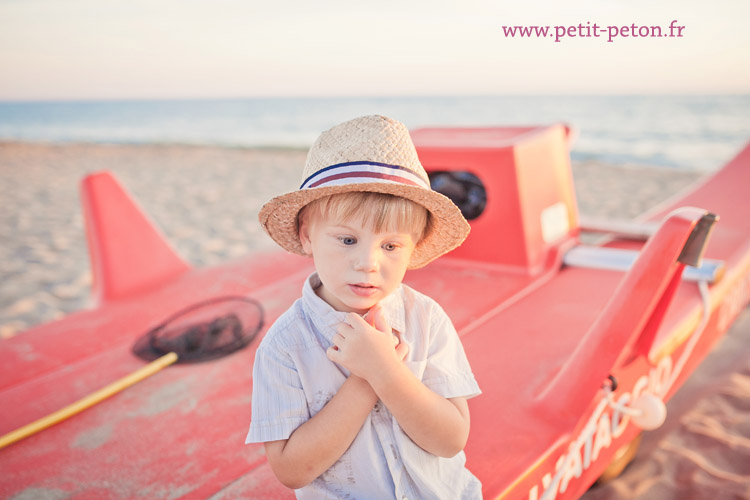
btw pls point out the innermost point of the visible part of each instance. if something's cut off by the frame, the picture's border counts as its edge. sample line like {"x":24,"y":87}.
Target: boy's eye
{"x":347,"y":240}
{"x":390,"y":246}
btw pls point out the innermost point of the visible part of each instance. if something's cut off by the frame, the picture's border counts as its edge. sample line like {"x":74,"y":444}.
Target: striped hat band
{"x":357,"y":172}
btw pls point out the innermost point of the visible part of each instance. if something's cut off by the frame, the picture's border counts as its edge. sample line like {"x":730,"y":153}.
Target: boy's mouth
{"x":363,"y":289}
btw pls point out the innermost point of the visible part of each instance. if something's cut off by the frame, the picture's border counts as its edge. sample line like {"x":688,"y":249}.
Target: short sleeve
{"x":447,"y":371}
{"x":278,"y":403}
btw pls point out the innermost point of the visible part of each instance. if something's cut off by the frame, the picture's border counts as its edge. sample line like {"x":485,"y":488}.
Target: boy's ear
{"x":304,"y":235}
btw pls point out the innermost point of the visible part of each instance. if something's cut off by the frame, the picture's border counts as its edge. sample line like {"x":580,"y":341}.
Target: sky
{"x":111,"y":49}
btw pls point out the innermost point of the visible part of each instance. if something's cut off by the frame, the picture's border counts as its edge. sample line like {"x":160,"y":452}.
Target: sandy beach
{"x":205,"y":199}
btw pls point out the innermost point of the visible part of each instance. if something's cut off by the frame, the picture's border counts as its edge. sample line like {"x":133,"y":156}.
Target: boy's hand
{"x":366,"y":349}
{"x":377,"y":320}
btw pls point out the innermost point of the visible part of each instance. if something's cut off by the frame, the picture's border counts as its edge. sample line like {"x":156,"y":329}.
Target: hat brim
{"x":449,"y":229}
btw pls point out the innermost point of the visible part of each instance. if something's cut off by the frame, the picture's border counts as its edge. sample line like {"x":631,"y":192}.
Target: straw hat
{"x":370,"y":153}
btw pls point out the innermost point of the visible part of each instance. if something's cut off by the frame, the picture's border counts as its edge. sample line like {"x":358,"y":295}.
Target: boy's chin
{"x":358,"y":305}
{"x":359,"y":308}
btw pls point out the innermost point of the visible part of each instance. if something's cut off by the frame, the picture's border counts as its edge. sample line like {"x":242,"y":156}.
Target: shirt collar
{"x":326,"y":318}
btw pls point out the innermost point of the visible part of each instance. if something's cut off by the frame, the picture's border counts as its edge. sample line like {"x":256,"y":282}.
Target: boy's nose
{"x":367,"y":260}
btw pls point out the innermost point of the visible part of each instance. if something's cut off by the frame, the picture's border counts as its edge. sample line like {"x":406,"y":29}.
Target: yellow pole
{"x":88,"y":401}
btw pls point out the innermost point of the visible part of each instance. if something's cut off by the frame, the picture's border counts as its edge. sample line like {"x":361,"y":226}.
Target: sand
{"x":205,"y":199}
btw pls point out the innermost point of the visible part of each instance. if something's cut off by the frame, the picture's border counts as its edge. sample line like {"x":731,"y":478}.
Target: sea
{"x":685,"y":132}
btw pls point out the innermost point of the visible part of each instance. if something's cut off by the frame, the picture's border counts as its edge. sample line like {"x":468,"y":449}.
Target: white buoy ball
{"x":654,"y":411}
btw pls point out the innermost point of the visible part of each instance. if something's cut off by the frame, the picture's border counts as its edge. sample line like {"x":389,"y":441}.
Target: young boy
{"x":360,"y":388}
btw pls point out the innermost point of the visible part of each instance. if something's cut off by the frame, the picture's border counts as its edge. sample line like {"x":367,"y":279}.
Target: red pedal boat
{"x":575,"y":346}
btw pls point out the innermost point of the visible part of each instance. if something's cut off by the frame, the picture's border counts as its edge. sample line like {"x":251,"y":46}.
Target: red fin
{"x":128,"y":253}
{"x":629,"y":321}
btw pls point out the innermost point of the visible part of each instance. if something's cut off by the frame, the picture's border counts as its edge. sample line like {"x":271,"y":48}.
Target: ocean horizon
{"x":691,"y":132}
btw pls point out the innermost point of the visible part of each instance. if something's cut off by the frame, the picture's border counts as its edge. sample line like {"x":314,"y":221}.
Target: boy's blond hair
{"x":378,"y":211}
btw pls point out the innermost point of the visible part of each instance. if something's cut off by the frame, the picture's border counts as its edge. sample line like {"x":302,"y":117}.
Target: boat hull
{"x":523,"y":317}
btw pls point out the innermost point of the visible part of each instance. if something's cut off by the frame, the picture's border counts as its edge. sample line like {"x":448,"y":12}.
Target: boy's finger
{"x":379,"y":321}
{"x":353,"y":319}
{"x":402,"y":350}
{"x":343,"y":328}
{"x":371,"y":314}
{"x":333,"y":354}
{"x":337,"y":339}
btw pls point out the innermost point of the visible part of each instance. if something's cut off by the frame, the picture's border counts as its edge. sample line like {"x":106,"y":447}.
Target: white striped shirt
{"x":293,"y":379}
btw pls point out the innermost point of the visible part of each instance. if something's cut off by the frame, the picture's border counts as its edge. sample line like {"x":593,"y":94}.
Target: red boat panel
{"x":57,"y":345}
{"x":531,"y":399}
{"x":724,"y":192}
{"x":524,"y":172}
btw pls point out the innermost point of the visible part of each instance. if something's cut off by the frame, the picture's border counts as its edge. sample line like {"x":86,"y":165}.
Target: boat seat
{"x":627,"y":229}
{"x":618,"y":259}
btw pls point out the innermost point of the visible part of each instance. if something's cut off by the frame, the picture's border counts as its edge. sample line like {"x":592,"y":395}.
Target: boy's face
{"x":357,"y":267}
